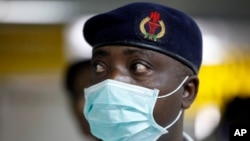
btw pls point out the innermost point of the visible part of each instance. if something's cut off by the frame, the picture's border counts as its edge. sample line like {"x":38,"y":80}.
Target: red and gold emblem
{"x":152,"y":27}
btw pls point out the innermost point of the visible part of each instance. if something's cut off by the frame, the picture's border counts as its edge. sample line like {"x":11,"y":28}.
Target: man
{"x":144,"y":72}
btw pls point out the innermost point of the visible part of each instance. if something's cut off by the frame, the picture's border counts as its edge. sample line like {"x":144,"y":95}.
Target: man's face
{"x":144,"y":68}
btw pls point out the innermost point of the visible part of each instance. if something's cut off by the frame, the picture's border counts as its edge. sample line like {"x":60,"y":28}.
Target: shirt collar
{"x":187,"y":137}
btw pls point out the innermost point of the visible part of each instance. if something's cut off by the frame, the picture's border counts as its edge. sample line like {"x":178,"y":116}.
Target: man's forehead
{"x":125,"y":50}
{"x":130,"y":51}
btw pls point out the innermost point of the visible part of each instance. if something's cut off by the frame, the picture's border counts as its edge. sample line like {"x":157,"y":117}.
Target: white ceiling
{"x":57,"y":11}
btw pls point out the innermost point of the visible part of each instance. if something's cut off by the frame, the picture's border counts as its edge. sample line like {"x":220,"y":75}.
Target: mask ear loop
{"x":166,"y":95}
{"x":171,"y":124}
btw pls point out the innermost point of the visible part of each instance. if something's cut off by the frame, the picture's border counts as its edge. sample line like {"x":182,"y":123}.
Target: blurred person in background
{"x":76,"y":79}
{"x":235,"y":113}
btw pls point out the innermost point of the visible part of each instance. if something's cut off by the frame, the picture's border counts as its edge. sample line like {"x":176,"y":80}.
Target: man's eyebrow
{"x":101,"y":53}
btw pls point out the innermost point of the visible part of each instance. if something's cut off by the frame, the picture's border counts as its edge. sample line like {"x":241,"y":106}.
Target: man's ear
{"x":190,"y":91}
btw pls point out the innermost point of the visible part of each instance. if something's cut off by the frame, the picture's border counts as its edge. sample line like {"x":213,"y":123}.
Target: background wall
{"x":32,"y":97}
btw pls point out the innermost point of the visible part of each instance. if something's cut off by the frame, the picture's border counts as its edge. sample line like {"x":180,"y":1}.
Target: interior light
{"x":213,"y":52}
{"x":206,"y":121}
{"x":75,"y":46}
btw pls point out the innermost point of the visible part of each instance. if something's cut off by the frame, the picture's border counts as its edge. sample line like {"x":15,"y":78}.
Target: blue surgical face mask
{"x":118,"y":111}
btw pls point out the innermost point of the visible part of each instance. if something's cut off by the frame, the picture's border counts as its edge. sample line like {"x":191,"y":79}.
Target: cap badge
{"x":152,"y":27}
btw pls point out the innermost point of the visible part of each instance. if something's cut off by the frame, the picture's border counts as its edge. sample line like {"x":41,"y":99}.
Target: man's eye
{"x":99,"y":68}
{"x":140,"y":68}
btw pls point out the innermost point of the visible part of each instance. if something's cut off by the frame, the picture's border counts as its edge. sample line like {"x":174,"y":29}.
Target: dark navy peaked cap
{"x":150,"y":26}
